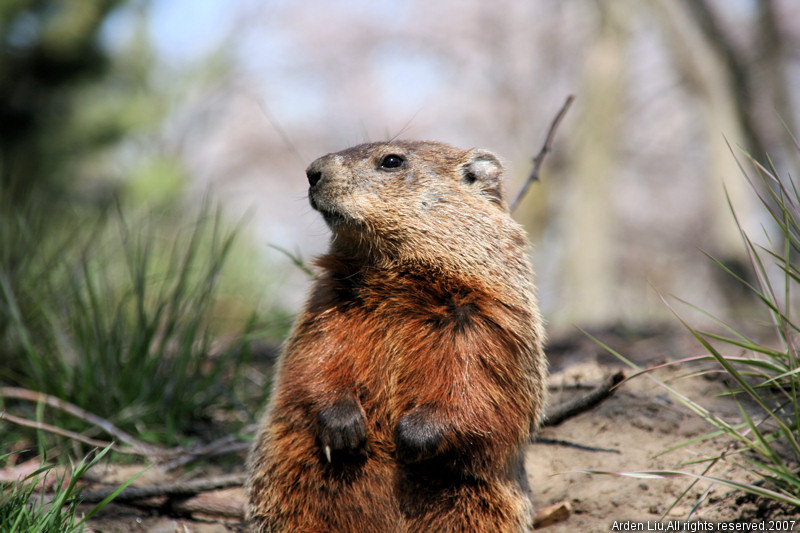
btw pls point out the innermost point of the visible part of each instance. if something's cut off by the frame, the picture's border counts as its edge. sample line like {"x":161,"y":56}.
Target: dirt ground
{"x":629,"y":432}
{"x":625,"y":433}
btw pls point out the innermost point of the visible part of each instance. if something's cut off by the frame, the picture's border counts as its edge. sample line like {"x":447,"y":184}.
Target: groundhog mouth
{"x":332,"y":217}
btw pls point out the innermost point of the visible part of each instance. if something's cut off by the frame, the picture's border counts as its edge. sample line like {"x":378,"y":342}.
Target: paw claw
{"x":342,"y":431}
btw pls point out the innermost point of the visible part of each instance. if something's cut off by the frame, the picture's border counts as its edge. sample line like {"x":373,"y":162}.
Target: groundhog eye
{"x":392,"y":161}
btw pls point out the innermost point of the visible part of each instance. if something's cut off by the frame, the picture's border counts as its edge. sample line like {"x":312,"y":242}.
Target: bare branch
{"x":566,"y":410}
{"x":178,"y":456}
{"x":182,"y":489}
{"x":208,"y":505}
{"x":140,"y":448}
{"x":546,"y":147}
{"x":221,"y":446}
{"x":41,"y":426}
{"x":203,"y":504}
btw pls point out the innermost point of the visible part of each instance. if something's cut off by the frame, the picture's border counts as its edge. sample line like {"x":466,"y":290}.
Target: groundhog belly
{"x":443,"y":423}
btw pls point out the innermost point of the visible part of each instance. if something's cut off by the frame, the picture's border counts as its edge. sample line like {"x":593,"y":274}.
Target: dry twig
{"x":208,"y":505}
{"x":41,"y":426}
{"x":559,"y":413}
{"x":181,"y":489}
{"x":179,"y":456}
{"x":221,"y":446}
{"x":139,"y":447}
{"x":546,"y":147}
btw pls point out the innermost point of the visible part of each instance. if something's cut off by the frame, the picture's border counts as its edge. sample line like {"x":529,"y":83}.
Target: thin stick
{"x":180,"y":456}
{"x":203,"y":504}
{"x":539,"y":159}
{"x":141,"y":448}
{"x":221,"y":446}
{"x":182,"y":489}
{"x":566,"y":410}
{"x":41,"y":426}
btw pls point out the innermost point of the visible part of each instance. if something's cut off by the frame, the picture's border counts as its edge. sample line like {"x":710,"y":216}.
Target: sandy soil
{"x":625,"y":433}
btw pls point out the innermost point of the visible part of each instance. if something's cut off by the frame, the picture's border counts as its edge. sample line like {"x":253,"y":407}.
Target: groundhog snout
{"x":324,"y":191}
{"x":314,"y":174}
{"x":319,"y":169}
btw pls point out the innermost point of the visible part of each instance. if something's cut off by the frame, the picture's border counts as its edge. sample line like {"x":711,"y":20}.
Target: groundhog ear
{"x":484,"y":168}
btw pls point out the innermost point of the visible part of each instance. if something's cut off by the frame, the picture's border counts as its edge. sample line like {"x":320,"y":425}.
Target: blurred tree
{"x":49,"y":50}
{"x":67,"y":103}
{"x":588,"y":280}
{"x":719,"y":103}
{"x":739,"y":77}
{"x":755,"y":76}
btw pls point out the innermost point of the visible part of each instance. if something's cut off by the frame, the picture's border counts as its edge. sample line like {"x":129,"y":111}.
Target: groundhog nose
{"x":313,"y":175}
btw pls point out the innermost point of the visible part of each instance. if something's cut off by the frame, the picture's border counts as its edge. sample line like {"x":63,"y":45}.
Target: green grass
{"x":144,"y":320}
{"x":25,"y":508}
{"x":764,"y":440}
{"x":118,"y":316}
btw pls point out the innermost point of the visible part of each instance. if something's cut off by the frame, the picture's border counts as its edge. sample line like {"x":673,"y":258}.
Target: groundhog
{"x":415,"y":373}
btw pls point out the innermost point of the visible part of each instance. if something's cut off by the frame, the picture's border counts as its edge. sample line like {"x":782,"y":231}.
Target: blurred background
{"x":126,"y":125}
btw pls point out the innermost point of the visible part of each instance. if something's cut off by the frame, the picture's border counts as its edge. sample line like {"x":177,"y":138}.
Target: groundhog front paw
{"x":417,"y":437}
{"x":342,"y":430}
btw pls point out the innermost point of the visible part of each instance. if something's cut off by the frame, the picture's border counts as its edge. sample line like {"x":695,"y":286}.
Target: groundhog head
{"x":407,"y":193}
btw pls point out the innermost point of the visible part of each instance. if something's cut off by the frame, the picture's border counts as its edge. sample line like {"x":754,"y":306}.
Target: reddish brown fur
{"x":423,"y":331}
